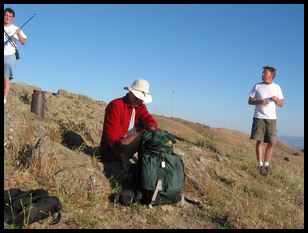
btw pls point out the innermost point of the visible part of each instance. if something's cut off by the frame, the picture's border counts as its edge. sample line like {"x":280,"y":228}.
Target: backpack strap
{"x":55,"y":219}
{"x":159,"y":187}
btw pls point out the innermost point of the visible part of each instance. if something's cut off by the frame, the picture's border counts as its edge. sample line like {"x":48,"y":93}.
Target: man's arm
{"x":20,"y":37}
{"x":148,"y":120}
{"x":112,"y":124}
{"x":279,"y":102}
{"x":253,"y":101}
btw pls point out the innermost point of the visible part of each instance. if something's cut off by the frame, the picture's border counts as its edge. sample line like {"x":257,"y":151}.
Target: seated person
{"x":125,"y":121}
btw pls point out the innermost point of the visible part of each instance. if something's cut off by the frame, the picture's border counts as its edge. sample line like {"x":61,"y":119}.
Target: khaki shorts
{"x":264,"y":130}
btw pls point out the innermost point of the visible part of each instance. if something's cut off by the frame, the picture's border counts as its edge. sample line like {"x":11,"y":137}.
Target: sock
{"x":266,"y":164}
{"x":4,"y":101}
{"x":261,"y":164}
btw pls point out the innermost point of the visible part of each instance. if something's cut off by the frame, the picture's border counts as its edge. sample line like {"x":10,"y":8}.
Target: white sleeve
{"x":279,"y":92}
{"x":252,"y":93}
{"x":22,"y":34}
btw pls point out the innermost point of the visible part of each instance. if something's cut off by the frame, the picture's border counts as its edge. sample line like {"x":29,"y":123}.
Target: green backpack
{"x":161,"y":170}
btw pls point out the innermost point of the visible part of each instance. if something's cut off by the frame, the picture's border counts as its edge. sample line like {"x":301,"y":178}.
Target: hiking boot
{"x":268,"y":170}
{"x":263,"y":171}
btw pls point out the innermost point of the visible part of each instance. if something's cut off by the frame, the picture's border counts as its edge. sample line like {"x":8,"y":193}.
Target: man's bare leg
{"x":124,"y":161}
{"x":259,"y":151}
{"x":7,"y":86}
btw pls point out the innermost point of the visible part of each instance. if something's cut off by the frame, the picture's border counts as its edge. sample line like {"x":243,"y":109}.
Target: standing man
{"x":125,"y":121}
{"x":265,"y":96}
{"x":12,"y":34}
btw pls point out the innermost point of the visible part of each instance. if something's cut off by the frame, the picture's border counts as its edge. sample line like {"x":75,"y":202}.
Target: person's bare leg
{"x":7,"y":86}
{"x":132,"y":141}
{"x":268,"y":152}
{"x":259,"y":151}
{"x":130,"y":145}
{"x":124,"y":161}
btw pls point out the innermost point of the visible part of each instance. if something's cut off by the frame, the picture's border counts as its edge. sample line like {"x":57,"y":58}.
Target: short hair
{"x":271,"y":69}
{"x":10,"y":10}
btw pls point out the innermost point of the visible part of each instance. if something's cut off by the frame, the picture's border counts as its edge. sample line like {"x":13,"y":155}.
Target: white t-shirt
{"x":131,"y":128}
{"x":10,"y":30}
{"x":262,"y":91}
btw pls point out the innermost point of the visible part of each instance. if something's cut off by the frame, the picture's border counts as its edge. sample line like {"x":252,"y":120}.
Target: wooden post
{"x":38,"y":103}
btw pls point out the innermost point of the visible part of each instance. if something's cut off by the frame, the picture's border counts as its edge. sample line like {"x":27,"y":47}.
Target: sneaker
{"x":263,"y":171}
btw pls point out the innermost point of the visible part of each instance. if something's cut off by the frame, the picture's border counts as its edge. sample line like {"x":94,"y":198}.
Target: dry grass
{"x":220,"y":166}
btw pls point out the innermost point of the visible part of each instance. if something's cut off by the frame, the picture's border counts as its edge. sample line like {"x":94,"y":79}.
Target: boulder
{"x":57,"y":166}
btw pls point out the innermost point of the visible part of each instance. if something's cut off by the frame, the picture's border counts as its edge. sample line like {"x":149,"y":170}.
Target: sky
{"x":201,"y":60}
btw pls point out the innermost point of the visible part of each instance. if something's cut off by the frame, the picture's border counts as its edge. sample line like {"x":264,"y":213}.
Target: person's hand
{"x":17,"y":31}
{"x":152,"y":128}
{"x":265,"y":102}
{"x":274,"y":98}
{"x":141,"y":131}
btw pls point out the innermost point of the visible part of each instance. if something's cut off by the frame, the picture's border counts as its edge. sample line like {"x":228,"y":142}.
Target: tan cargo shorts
{"x":264,"y":130}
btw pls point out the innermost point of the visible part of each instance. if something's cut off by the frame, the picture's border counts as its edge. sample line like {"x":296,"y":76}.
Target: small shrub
{"x":207,"y":143}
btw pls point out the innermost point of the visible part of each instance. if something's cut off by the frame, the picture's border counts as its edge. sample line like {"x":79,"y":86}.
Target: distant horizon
{"x":295,"y":141}
{"x":201,"y":60}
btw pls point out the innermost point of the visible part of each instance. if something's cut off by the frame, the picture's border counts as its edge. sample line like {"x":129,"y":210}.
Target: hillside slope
{"x":57,"y":153}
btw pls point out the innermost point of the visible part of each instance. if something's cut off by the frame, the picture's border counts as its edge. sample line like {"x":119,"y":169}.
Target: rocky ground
{"x":58,"y":153}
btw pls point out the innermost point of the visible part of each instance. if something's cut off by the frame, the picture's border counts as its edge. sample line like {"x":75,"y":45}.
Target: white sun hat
{"x":141,"y":89}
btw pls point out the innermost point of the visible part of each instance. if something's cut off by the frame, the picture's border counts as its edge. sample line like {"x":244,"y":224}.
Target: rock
{"x":202,"y":160}
{"x":192,"y":200}
{"x":73,"y":172}
{"x":221,"y":159}
{"x":72,"y":140}
{"x":26,"y":98}
{"x":167,"y":208}
{"x":286,"y":159}
{"x":62,"y":92}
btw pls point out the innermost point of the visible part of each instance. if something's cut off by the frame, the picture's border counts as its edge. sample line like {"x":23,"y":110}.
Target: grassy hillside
{"x":220,"y":166}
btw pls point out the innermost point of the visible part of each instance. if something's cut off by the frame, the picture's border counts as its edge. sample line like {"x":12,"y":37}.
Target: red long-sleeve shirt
{"x":117,"y":117}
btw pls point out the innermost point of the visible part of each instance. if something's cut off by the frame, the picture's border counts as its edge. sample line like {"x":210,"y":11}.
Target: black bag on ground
{"x":26,"y":207}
